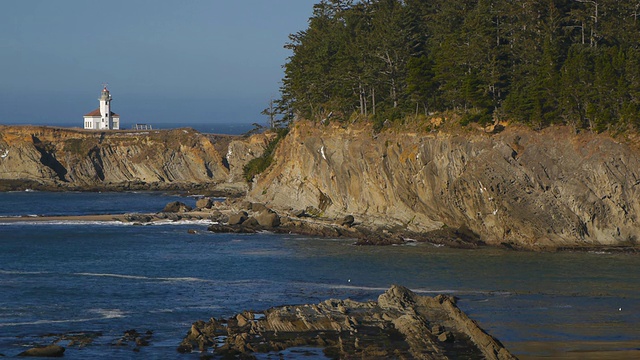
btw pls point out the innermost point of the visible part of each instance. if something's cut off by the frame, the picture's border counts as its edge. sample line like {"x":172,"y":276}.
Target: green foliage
{"x":260,"y":164}
{"x":537,"y":62}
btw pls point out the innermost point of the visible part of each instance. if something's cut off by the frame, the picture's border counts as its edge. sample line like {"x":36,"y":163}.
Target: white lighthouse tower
{"x":102,"y":118}
{"x":105,"y":109}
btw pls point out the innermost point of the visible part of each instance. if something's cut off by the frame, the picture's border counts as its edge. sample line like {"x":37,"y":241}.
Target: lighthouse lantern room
{"x":102,"y":118}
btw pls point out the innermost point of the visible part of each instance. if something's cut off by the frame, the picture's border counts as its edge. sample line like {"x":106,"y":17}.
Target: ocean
{"x":60,"y":279}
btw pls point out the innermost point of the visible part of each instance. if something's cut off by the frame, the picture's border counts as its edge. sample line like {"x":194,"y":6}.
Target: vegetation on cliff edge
{"x":538,"y":62}
{"x":259,"y":164}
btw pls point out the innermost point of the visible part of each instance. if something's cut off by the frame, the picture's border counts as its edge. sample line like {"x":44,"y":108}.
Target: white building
{"x":102,"y":118}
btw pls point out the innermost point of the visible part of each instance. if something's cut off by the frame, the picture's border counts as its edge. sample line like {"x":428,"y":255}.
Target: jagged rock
{"x":176,"y":207}
{"x":267,"y":218}
{"x":204,"y":203}
{"x":396,"y":326}
{"x":122,"y":160}
{"x":44,"y":351}
{"x":559,"y":189}
{"x":238,"y":218}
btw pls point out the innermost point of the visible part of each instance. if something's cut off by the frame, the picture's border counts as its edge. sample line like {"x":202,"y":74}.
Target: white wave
{"x":107,"y":222}
{"x":16,"y":272}
{"x":104,"y":314}
{"x":109,"y":313}
{"x":66,"y":222}
{"x":182,"y":222}
{"x":139,"y":277}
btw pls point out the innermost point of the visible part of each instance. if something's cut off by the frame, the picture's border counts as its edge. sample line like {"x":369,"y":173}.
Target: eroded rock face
{"x":522,"y":188}
{"x":79,"y":158}
{"x":400,"y":324}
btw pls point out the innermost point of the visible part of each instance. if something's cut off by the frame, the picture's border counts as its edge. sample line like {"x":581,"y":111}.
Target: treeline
{"x":534,"y":61}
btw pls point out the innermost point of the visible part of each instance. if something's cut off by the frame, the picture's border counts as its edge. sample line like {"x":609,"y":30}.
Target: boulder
{"x":44,"y":351}
{"x":251,"y":223}
{"x":268,"y":219}
{"x":258,"y":207}
{"x":204,"y":203}
{"x":238,"y":218}
{"x":176,"y":207}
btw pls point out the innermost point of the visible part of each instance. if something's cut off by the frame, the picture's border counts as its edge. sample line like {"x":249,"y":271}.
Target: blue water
{"x":106,"y":278}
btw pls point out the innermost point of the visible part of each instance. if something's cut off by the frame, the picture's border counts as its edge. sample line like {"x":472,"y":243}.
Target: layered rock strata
{"x":46,"y":158}
{"x":400,"y":325}
{"x":520,"y":188}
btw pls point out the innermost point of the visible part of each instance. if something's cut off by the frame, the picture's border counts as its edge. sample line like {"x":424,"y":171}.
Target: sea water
{"x":104,"y":278}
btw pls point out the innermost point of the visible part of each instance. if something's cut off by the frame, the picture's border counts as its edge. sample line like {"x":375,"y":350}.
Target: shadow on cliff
{"x":48,"y":160}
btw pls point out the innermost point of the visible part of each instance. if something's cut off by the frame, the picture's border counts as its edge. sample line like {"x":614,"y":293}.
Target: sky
{"x":165,"y":61}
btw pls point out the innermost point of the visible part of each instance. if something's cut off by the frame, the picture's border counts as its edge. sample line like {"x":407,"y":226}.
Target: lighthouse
{"x":102,"y":118}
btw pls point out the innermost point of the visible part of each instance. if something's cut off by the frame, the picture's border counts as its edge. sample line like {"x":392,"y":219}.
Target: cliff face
{"x":529,"y":189}
{"x":78,"y":158}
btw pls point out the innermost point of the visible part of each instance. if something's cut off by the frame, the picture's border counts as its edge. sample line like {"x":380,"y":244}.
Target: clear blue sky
{"x":180,"y":61}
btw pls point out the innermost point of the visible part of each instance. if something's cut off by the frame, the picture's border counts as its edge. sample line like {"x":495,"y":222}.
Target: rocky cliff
{"x":114,"y":159}
{"x":523,"y":188}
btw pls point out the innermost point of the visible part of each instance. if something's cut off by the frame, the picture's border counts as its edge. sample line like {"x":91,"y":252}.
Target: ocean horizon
{"x":203,"y":127}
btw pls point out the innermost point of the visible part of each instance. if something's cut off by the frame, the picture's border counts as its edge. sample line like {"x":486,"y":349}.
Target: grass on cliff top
{"x":260,"y":164}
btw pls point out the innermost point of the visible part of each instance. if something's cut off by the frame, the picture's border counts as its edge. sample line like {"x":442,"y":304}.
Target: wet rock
{"x":44,"y":351}
{"x":139,"y":218}
{"x":135,"y":338}
{"x":176,"y":207}
{"x":396,"y":326}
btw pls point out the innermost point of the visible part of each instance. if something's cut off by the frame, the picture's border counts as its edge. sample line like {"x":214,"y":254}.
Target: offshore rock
{"x":518,"y":188}
{"x":398,"y":325}
{"x":44,"y":351}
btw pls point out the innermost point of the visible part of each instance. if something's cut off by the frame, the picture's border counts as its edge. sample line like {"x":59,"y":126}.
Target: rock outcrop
{"x":519,"y":187}
{"x":121,"y":160}
{"x":44,"y":351}
{"x":399,"y":325}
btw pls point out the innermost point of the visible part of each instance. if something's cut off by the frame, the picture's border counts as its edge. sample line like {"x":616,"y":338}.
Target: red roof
{"x":96,"y":112}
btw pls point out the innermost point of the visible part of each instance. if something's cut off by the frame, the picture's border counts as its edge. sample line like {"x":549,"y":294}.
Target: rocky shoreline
{"x":400,"y":324}
{"x":237,"y":215}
